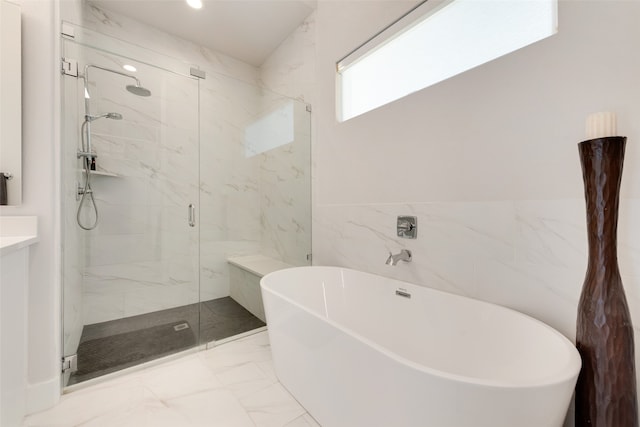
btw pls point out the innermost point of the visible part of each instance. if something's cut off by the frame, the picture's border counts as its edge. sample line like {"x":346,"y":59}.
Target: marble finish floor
{"x":231,"y":385}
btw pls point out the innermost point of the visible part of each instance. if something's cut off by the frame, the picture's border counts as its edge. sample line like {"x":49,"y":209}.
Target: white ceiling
{"x":249,"y":30}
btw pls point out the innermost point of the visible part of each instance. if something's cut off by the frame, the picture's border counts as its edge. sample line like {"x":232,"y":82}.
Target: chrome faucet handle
{"x":407,"y":227}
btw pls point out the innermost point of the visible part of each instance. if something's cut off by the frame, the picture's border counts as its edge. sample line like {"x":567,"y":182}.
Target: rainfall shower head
{"x":112,"y":116}
{"x":138,"y":90}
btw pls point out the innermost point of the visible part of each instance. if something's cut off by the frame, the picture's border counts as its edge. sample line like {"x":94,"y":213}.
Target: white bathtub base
{"x":342,"y":383}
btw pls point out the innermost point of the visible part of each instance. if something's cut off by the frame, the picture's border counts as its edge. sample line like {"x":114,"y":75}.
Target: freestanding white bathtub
{"x":360,"y":350}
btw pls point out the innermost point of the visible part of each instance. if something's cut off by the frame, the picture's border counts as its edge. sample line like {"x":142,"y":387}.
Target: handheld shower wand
{"x":86,"y":192}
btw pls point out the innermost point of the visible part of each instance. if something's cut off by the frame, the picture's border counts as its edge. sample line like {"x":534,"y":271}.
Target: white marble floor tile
{"x":183,"y":376}
{"x":151,"y":413}
{"x":240,"y":374}
{"x":268,"y":368}
{"x":305,"y":420}
{"x":211,"y":408}
{"x":245,"y":379}
{"x":232,"y":385}
{"x":272,"y":406}
{"x":254,"y":348}
{"x":94,"y":402}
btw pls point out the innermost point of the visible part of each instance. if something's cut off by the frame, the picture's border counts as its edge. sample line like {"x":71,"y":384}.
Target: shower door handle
{"x":192,"y":215}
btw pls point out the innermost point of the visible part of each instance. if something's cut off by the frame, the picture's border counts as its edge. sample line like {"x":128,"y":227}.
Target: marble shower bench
{"x":245,"y":273}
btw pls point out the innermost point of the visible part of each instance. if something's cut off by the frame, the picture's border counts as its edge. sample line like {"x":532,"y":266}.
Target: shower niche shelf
{"x":102,"y":173}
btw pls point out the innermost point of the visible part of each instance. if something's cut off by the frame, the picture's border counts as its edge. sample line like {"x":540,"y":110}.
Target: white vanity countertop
{"x":17,"y":232}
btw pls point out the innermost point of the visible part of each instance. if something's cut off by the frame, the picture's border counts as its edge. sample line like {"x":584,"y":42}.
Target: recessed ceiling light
{"x":130,"y":68}
{"x":196,"y":4}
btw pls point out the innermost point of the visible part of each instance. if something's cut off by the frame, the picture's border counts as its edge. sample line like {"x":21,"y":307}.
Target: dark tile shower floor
{"x":118,"y":344}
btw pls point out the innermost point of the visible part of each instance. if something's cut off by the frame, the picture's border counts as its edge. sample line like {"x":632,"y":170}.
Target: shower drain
{"x":181,"y":326}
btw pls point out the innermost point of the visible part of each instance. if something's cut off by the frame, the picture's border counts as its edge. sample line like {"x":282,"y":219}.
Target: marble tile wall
{"x":290,"y":69}
{"x":286,"y":175}
{"x":229,"y":181}
{"x":509,"y":253}
{"x":285,"y":193}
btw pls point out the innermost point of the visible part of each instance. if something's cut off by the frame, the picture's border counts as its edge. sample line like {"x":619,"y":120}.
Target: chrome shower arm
{"x":85,"y":77}
{"x":86,"y":73}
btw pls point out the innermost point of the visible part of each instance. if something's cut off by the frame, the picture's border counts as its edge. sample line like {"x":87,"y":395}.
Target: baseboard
{"x":43,"y":395}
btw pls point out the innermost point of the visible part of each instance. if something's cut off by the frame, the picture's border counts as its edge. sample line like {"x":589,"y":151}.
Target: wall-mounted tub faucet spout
{"x":404,"y":255}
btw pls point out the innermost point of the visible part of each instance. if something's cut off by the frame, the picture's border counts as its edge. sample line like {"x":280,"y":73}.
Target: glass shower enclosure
{"x":168,"y":179}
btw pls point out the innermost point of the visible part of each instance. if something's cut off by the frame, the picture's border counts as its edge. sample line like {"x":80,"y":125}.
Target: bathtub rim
{"x":549,"y":381}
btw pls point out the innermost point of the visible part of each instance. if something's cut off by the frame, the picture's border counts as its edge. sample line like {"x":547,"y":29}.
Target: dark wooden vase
{"x":606,"y":388}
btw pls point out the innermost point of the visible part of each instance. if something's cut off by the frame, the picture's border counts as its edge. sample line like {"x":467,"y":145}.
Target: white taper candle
{"x":600,"y":125}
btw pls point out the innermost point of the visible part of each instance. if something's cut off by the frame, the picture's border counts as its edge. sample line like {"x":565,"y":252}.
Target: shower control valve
{"x":407,"y":227}
{"x":81,"y":191}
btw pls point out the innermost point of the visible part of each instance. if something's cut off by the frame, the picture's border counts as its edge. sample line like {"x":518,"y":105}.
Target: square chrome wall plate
{"x":407,"y":227}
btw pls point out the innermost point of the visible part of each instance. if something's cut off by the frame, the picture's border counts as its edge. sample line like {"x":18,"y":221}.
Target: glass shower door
{"x":255,"y":200}
{"x":131,"y":240}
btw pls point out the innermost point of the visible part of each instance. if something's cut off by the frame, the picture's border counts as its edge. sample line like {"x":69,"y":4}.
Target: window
{"x":434,"y":42}
{"x":270,"y":131}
